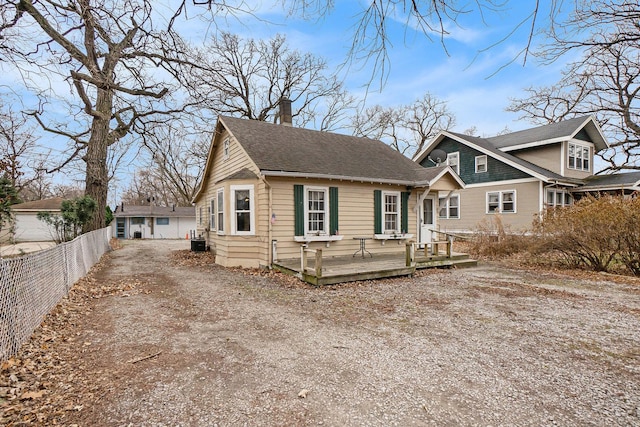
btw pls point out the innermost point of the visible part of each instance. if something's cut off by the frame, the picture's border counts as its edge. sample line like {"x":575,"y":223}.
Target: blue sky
{"x":476,"y":84}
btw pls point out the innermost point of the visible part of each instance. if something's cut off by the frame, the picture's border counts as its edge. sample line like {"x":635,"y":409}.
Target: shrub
{"x":595,"y":232}
{"x":493,"y":239}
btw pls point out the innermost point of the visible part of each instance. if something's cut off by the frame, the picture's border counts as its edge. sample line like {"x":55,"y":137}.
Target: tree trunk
{"x":96,"y":175}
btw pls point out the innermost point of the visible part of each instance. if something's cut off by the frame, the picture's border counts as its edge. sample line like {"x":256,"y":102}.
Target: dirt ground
{"x":158,"y":336}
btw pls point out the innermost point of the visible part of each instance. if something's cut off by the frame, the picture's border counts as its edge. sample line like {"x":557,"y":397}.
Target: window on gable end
{"x":453,"y":160}
{"x":579,"y":157}
{"x":225,"y":148}
{"x":481,"y":164}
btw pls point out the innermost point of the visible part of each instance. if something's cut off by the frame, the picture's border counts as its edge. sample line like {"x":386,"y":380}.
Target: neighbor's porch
{"x":314,"y":268}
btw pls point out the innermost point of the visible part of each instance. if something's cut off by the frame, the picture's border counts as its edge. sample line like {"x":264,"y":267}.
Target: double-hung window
{"x":242,"y":210}
{"x":315,"y":213}
{"x":212,"y":214}
{"x":391,"y":206}
{"x":316,"y":210}
{"x":579,"y":157}
{"x":449,"y":208}
{"x":501,"y":201}
{"x":220,"y":210}
{"x":481,"y":164}
{"x":453,"y":160}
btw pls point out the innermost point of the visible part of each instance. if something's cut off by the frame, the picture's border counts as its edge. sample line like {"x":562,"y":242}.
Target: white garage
{"x":28,"y":228}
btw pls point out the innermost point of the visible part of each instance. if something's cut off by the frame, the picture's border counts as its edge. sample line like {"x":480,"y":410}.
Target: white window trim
{"x":581,"y":147}
{"x":226,"y":147}
{"x":212,"y":214}
{"x":447,"y":207}
{"x":219,"y":203}
{"x":398,"y":213}
{"x":325,"y":231}
{"x":486,"y":166}
{"x":555,"y":192}
{"x":455,"y":154}
{"x":500,"y":202}
{"x":252,"y":210}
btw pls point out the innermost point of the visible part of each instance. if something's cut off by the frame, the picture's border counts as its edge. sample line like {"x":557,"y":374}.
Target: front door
{"x":120,"y":228}
{"x":427,"y":219}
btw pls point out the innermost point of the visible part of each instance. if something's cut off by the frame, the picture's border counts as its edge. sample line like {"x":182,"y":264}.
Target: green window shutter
{"x":377,"y":211}
{"x":404,"y":220}
{"x":333,"y":210}
{"x":298,"y":206}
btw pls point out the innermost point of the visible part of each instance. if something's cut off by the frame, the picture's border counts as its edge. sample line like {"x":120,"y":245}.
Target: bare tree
{"x":405,"y":128}
{"x":176,"y":162}
{"x":17,"y":144}
{"x":116,"y":61}
{"x":248,"y":78}
{"x":604,"y":82}
{"x":436,"y":20}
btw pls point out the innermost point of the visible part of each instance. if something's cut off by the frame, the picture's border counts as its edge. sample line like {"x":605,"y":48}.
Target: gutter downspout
{"x":270,"y":225}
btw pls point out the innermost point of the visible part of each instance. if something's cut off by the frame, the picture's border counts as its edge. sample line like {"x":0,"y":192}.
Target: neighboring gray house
{"x":153,"y":222}
{"x":517,"y":175}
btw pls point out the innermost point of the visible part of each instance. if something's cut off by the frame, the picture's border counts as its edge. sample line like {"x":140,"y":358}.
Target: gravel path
{"x":186,"y":345}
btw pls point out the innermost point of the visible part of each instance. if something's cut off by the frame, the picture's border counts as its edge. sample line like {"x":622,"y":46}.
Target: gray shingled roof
{"x":541,"y":133}
{"x":278,"y":148}
{"x":154,"y":211}
{"x":628,"y":179}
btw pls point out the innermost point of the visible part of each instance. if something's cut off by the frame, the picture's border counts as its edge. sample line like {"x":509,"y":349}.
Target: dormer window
{"x":579,"y":157}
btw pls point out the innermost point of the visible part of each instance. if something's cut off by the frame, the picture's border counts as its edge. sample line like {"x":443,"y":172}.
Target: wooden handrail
{"x":318,"y":261}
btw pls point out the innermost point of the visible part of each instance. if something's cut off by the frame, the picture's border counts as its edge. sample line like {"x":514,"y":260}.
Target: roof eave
{"x":285,"y":174}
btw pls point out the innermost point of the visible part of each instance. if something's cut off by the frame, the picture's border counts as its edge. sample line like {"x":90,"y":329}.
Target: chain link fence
{"x":32,"y":285}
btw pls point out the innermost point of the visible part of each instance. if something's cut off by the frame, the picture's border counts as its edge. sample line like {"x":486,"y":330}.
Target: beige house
{"x":268,"y":189}
{"x":515,"y":176}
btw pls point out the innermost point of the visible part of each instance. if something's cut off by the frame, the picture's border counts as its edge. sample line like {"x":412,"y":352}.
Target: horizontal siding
{"x":356,"y":216}
{"x":496,"y":170}
{"x":473,"y":206}
{"x":549,"y":156}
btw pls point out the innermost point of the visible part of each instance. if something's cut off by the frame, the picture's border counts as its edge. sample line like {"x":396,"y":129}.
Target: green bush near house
{"x":75,"y":214}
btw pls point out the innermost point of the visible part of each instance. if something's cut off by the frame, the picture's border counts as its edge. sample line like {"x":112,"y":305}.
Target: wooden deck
{"x":348,"y":269}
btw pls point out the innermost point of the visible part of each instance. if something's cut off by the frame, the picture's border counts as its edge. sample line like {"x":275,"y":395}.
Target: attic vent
{"x":285,"y":112}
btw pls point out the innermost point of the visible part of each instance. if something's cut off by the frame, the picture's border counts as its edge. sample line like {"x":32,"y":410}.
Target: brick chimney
{"x":285,"y":112}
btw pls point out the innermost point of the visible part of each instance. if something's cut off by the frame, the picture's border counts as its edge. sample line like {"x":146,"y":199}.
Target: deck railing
{"x":438,"y":239}
{"x":317,"y":270}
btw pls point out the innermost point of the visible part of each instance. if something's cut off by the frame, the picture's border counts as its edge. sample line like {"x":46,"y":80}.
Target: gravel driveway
{"x":199,"y":345}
